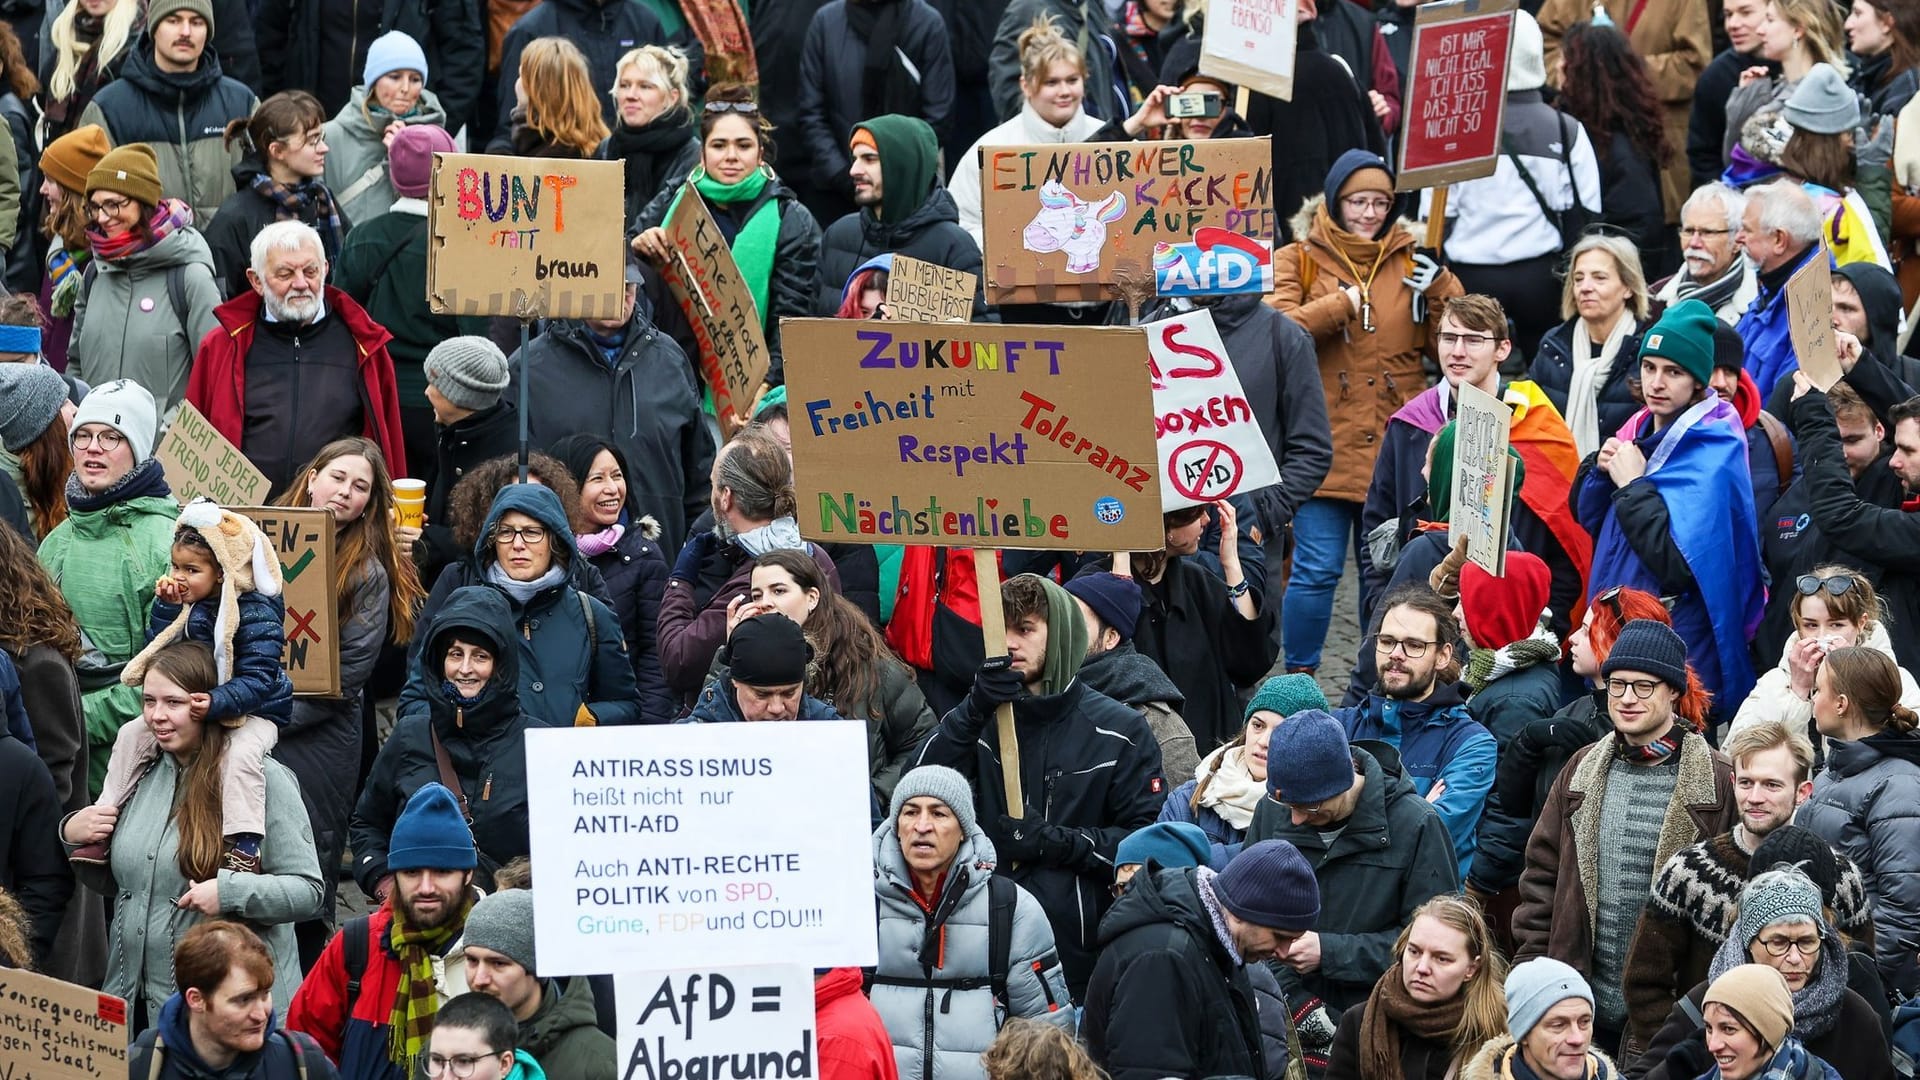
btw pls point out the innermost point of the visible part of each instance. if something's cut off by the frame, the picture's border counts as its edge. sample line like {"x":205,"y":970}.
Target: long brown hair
{"x":1871,"y":681}
{"x":32,"y":611}
{"x":367,"y":538}
{"x":561,"y":104}
{"x":848,"y":652}
{"x":15,"y":950}
{"x":45,"y":465}
{"x":1824,"y":159}
{"x":198,"y":812}
{"x":20,"y":77}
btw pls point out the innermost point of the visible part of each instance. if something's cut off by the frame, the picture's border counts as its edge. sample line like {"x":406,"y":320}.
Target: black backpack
{"x":353,"y":952}
{"x":176,"y":296}
{"x":147,"y":1059}
{"x":1002,"y":897}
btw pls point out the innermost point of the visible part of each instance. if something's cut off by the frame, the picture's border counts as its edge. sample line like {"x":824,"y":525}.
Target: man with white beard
{"x":296,"y":363}
{"x":1712,"y":271}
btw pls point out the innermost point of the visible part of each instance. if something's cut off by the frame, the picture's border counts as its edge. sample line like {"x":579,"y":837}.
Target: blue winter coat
{"x":1764,"y":330}
{"x":258,"y":684}
{"x":1437,"y":740}
{"x":1225,"y":838}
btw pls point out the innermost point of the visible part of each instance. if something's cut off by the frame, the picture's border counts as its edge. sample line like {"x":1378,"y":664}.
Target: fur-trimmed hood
{"x":1493,"y":1062}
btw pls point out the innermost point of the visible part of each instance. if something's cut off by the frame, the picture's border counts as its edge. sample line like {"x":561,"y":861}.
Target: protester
{"x":600,"y":32}
{"x":1833,"y":607}
{"x":1081,"y":21}
{"x":1164,"y":845}
{"x":1749,"y":1019}
{"x":283,"y":155}
{"x":1511,"y":670}
{"x":1231,"y":781}
{"x":85,"y":47}
{"x":1882,"y":38}
{"x":33,"y":865}
{"x":1797,"y":35}
{"x":1031,"y":1050}
{"x":653,"y":134}
{"x":1711,"y":269}
{"x":1111,"y":606}
{"x":221,"y":1020}
{"x":556,"y":1020}
{"x":301,"y":48}
{"x":391,"y":97}
{"x":64,"y":166}
{"x":1549,"y":1032}
{"x":33,"y":435}
{"x":1585,"y":363}
{"x":555,"y":114}
{"x":1615,"y":94}
{"x":476,"y":1034}
{"x":1780,"y":229}
{"x":1823,"y":113}
{"x":763,"y":676}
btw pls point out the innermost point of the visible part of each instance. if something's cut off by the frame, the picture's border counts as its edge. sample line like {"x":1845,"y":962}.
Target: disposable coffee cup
{"x":410,"y":503}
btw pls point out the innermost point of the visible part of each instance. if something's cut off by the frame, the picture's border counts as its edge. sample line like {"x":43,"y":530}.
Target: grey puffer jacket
{"x":938,"y":1029}
{"x":124,"y":326}
{"x":1866,"y":803}
{"x":357,"y":157}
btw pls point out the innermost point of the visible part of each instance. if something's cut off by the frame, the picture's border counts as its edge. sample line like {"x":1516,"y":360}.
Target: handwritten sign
{"x":928,"y":292}
{"x":726,"y":325}
{"x":973,"y":435}
{"x":1482,"y":474}
{"x":526,"y":237}
{"x":1251,"y":43}
{"x":679,"y":846}
{"x":673,"y":1023}
{"x":200,"y":463}
{"x":1217,"y":263}
{"x":53,"y":1030}
{"x":1810,"y":322}
{"x":1080,"y":220}
{"x":1456,"y":92}
{"x":1210,"y":445}
{"x":303,"y":540}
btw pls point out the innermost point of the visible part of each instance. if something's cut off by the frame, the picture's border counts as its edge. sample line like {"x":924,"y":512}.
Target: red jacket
{"x":353,"y":1034}
{"x":217,"y":385}
{"x":853,"y":1043}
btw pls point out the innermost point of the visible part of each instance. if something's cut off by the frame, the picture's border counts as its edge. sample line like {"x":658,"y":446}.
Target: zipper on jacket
{"x":293,"y":428}
{"x":486,"y":789}
{"x":186,"y":156}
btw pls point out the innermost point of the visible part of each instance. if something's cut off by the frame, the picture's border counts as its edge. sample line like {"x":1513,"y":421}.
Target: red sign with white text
{"x":1456,"y":91}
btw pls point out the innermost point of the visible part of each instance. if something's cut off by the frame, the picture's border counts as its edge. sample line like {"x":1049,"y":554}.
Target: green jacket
{"x":384,"y":266}
{"x":355,"y":150}
{"x":124,"y":326}
{"x":562,"y":1036}
{"x":105,"y":563}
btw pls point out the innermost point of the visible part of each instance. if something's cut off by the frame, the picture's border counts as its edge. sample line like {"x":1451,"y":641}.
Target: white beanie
{"x":126,"y":407}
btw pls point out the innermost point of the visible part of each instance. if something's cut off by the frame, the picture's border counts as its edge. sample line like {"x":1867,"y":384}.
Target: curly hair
{"x":16,"y":951}
{"x":32,"y":611}
{"x":1031,"y":1050}
{"x":1609,"y":90}
{"x":472,"y":497}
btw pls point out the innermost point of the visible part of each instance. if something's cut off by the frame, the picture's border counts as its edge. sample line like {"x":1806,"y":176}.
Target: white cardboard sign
{"x":698,"y":1022}
{"x":1210,"y":444}
{"x":701,"y":844}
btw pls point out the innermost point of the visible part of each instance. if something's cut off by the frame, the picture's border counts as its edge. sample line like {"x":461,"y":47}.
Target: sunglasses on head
{"x":748,"y":107}
{"x":1838,"y":585}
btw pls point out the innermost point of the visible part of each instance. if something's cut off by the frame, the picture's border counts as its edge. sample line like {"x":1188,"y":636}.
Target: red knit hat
{"x":1502,"y":610}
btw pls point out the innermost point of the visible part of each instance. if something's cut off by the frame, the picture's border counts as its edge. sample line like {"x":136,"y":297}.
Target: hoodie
{"x":561,"y":1035}
{"x":179,"y":1060}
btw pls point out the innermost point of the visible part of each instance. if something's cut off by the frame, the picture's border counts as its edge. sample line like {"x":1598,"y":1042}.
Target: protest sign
{"x":303,"y":541}
{"x":1482,"y":472}
{"x":726,"y":325}
{"x":1810,"y":321}
{"x":928,"y":292}
{"x":53,"y":1030}
{"x":973,"y":435}
{"x":694,"y":844}
{"x":701,"y":1022}
{"x":1081,"y":220}
{"x":1251,"y":43}
{"x":1456,"y":92}
{"x":1210,"y":445}
{"x":199,"y":462}
{"x":1217,"y":263}
{"x":526,"y":237}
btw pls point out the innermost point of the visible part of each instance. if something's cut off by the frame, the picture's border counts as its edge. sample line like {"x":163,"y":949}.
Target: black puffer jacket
{"x":299,"y":53}
{"x":931,"y":234}
{"x":33,"y":865}
{"x":604,"y":30}
{"x":636,"y":575}
{"x":1866,"y":804}
{"x":241,"y":216}
{"x":458,"y":447}
{"x":1552,"y":368}
{"x":1527,"y":770}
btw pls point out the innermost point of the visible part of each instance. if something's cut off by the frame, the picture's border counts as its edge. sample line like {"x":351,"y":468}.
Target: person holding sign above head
{"x":764,"y":676}
{"x":556,"y":1020}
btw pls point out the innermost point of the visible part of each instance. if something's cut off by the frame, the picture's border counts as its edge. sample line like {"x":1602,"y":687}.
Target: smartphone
{"x":1194,"y":104}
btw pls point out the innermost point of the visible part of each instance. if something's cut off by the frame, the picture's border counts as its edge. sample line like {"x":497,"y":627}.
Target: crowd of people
{"x":1644,"y":802}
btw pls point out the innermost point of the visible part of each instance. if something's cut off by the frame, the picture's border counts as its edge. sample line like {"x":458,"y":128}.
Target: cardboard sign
{"x":200,"y":463}
{"x":1217,"y":263}
{"x":526,"y":237}
{"x":1482,"y":473}
{"x":53,"y":1030}
{"x":1251,"y":43}
{"x":673,"y":1023}
{"x":726,"y":325}
{"x":1810,"y":321}
{"x":1456,"y":92}
{"x":303,"y":539}
{"x":1076,"y":221}
{"x":680,"y":845}
{"x":1210,"y":444}
{"x":928,"y":292}
{"x":973,"y":435}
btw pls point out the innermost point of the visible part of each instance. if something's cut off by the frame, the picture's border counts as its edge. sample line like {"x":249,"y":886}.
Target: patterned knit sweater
{"x":1634,"y":809}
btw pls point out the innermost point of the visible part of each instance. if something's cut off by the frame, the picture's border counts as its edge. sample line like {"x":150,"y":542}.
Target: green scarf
{"x":416,"y":999}
{"x":759,"y":236}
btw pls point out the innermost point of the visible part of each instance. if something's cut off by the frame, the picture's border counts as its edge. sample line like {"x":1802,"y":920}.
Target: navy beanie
{"x":1114,"y":598}
{"x":1652,"y":647}
{"x":431,"y":834}
{"x":1270,"y":885}
{"x":1308,"y":759}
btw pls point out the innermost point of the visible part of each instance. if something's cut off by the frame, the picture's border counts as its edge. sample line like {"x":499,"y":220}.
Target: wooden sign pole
{"x":1437,"y":217}
{"x":1242,"y":97}
{"x":993,"y":630}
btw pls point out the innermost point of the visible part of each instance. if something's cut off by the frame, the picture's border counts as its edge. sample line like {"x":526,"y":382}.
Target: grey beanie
{"x":1775,"y":897}
{"x":936,"y":782}
{"x":1536,"y":986}
{"x":503,"y":922}
{"x":30,"y":397}
{"x":470,"y":371}
{"x":1822,"y":104}
{"x":126,"y":407}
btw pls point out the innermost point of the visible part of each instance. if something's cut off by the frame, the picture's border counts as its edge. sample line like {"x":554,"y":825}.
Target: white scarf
{"x":1233,"y":793}
{"x":1589,"y":375}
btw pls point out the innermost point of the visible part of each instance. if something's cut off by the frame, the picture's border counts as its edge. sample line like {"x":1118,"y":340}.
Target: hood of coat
{"x":560,"y":1012}
{"x":975,"y":857}
{"x":479,"y":614}
{"x":353,"y":115}
{"x":1846,"y":758}
{"x":909,"y":163}
{"x":538,"y":502}
{"x":890,"y":235}
{"x":833,"y":984}
{"x":1127,"y":676}
{"x":181,"y":247}
{"x":1305,"y":223}
{"x":185,"y":1062}
{"x":882,"y":262}
{"x":1880,"y":296}
{"x":169,"y":87}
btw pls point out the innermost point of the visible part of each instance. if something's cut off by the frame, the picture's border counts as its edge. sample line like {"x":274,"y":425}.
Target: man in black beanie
{"x":762,"y":676}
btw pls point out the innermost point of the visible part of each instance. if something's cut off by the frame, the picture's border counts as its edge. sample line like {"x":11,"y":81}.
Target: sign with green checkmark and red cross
{"x":303,"y":540}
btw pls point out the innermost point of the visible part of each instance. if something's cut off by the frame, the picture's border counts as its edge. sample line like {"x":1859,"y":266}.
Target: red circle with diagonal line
{"x":1218,"y":473}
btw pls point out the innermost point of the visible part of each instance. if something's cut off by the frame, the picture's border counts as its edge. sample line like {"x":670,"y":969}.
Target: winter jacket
{"x":1773,"y":697}
{"x":1499,"y":1060}
{"x":604,"y":31}
{"x":61,"y":115}
{"x":1493,"y":220}
{"x":1351,"y":36}
{"x":1439,"y":742}
{"x":655,"y":157}
{"x":1552,"y":369}
{"x":129,"y":339}
{"x":1223,"y":837}
{"x":565,"y":661}
{"x":461,"y":446}
{"x":1024,"y":128}
{"x":1866,"y":803}
{"x":184,"y":118}
{"x":1090,"y":774}
{"x":1509,"y":703}
{"x":51,"y":695}
{"x":1077,"y":20}
{"x":283,"y":1055}
{"x":218,"y":387}
{"x":1630,"y":191}
{"x":1793,"y":544}
{"x":693,"y":611}
{"x":832,"y":69}
{"x":383,"y":266}
{"x":927,"y":945}
{"x":143,"y":875}
{"x":1763,"y":329}
{"x":635,"y":571}
{"x":243,"y":213}
{"x":931,"y":233}
{"x":1167,"y":998}
{"x":1134,"y":680}
{"x":357,"y":155}
{"x":1707,"y":122}
{"x":853,"y":1042}
{"x":1855,"y":1046}
{"x":1420,"y":1059}
{"x":33,"y":865}
{"x":717,"y":704}
{"x":484,"y":741}
{"x":1559,"y":886}
{"x":561,"y":1034}
{"x":1366,"y":377}
{"x":1392,"y":856}
{"x":258,"y":684}
{"x":354,"y":1033}
{"x":645,"y":402}
{"x":301,"y":49}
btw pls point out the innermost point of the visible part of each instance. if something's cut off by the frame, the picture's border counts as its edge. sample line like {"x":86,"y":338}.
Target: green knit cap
{"x":1286,"y":695}
{"x":1684,"y":335}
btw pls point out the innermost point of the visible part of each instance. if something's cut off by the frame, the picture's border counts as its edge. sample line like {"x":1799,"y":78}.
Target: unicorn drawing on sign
{"x":1070,"y":224}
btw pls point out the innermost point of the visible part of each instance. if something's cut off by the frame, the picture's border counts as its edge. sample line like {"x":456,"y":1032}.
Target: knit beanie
{"x":1729,"y":351}
{"x":410,"y":158}
{"x":430,"y":834}
{"x":1270,"y":885}
{"x":1169,"y":844}
{"x":1773,"y":897}
{"x":163,"y":8}
{"x":503,"y":922}
{"x":1684,"y":335}
{"x":936,"y":782}
{"x":30,"y":397}
{"x":1114,"y":598}
{"x":390,"y":52}
{"x":1368,"y":178}
{"x":768,"y":650}
{"x":68,"y":159}
{"x":1308,"y":759}
{"x":1526,"y":63}
{"x":1502,"y":610}
{"x":1802,"y":849}
{"x":1652,"y":647}
{"x":126,"y":407}
{"x":1285,"y":695}
{"x":129,"y":170}
{"x":1760,"y":995}
{"x":1539,"y":985}
{"x":1823,"y":103}
{"x":470,"y":371}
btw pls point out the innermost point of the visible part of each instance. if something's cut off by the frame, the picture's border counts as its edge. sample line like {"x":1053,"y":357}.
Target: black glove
{"x":1022,"y":840}
{"x":995,"y":685}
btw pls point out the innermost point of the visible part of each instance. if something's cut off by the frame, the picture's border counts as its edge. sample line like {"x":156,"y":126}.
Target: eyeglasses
{"x":1359,"y":203}
{"x":1642,"y":688}
{"x":1778,"y":946}
{"x":108,"y":440}
{"x":1690,"y":232}
{"x":460,"y":1066}
{"x":748,"y":107}
{"x":531,"y":535}
{"x":1471,"y":341}
{"x":107,"y":207}
{"x":1837,"y":585}
{"x":1308,"y":812}
{"x":1412,"y":646}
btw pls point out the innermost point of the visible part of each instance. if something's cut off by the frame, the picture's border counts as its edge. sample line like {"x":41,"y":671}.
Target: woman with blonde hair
{"x":558,"y":115}
{"x":1584,"y":363}
{"x":1796,"y":34}
{"x":1833,"y":607}
{"x":89,"y":39}
{"x":653,"y":135}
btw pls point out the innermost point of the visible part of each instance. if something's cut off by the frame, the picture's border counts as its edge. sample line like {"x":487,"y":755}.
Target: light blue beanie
{"x":390,"y":52}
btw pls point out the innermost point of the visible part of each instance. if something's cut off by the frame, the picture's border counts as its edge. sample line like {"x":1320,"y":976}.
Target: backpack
{"x":353,"y":954}
{"x":176,"y":295}
{"x":1573,"y":221}
{"x":1003,"y":896}
{"x":147,"y":1059}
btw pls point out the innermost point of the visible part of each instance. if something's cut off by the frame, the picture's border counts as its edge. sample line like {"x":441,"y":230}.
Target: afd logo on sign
{"x":1218,"y":262}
